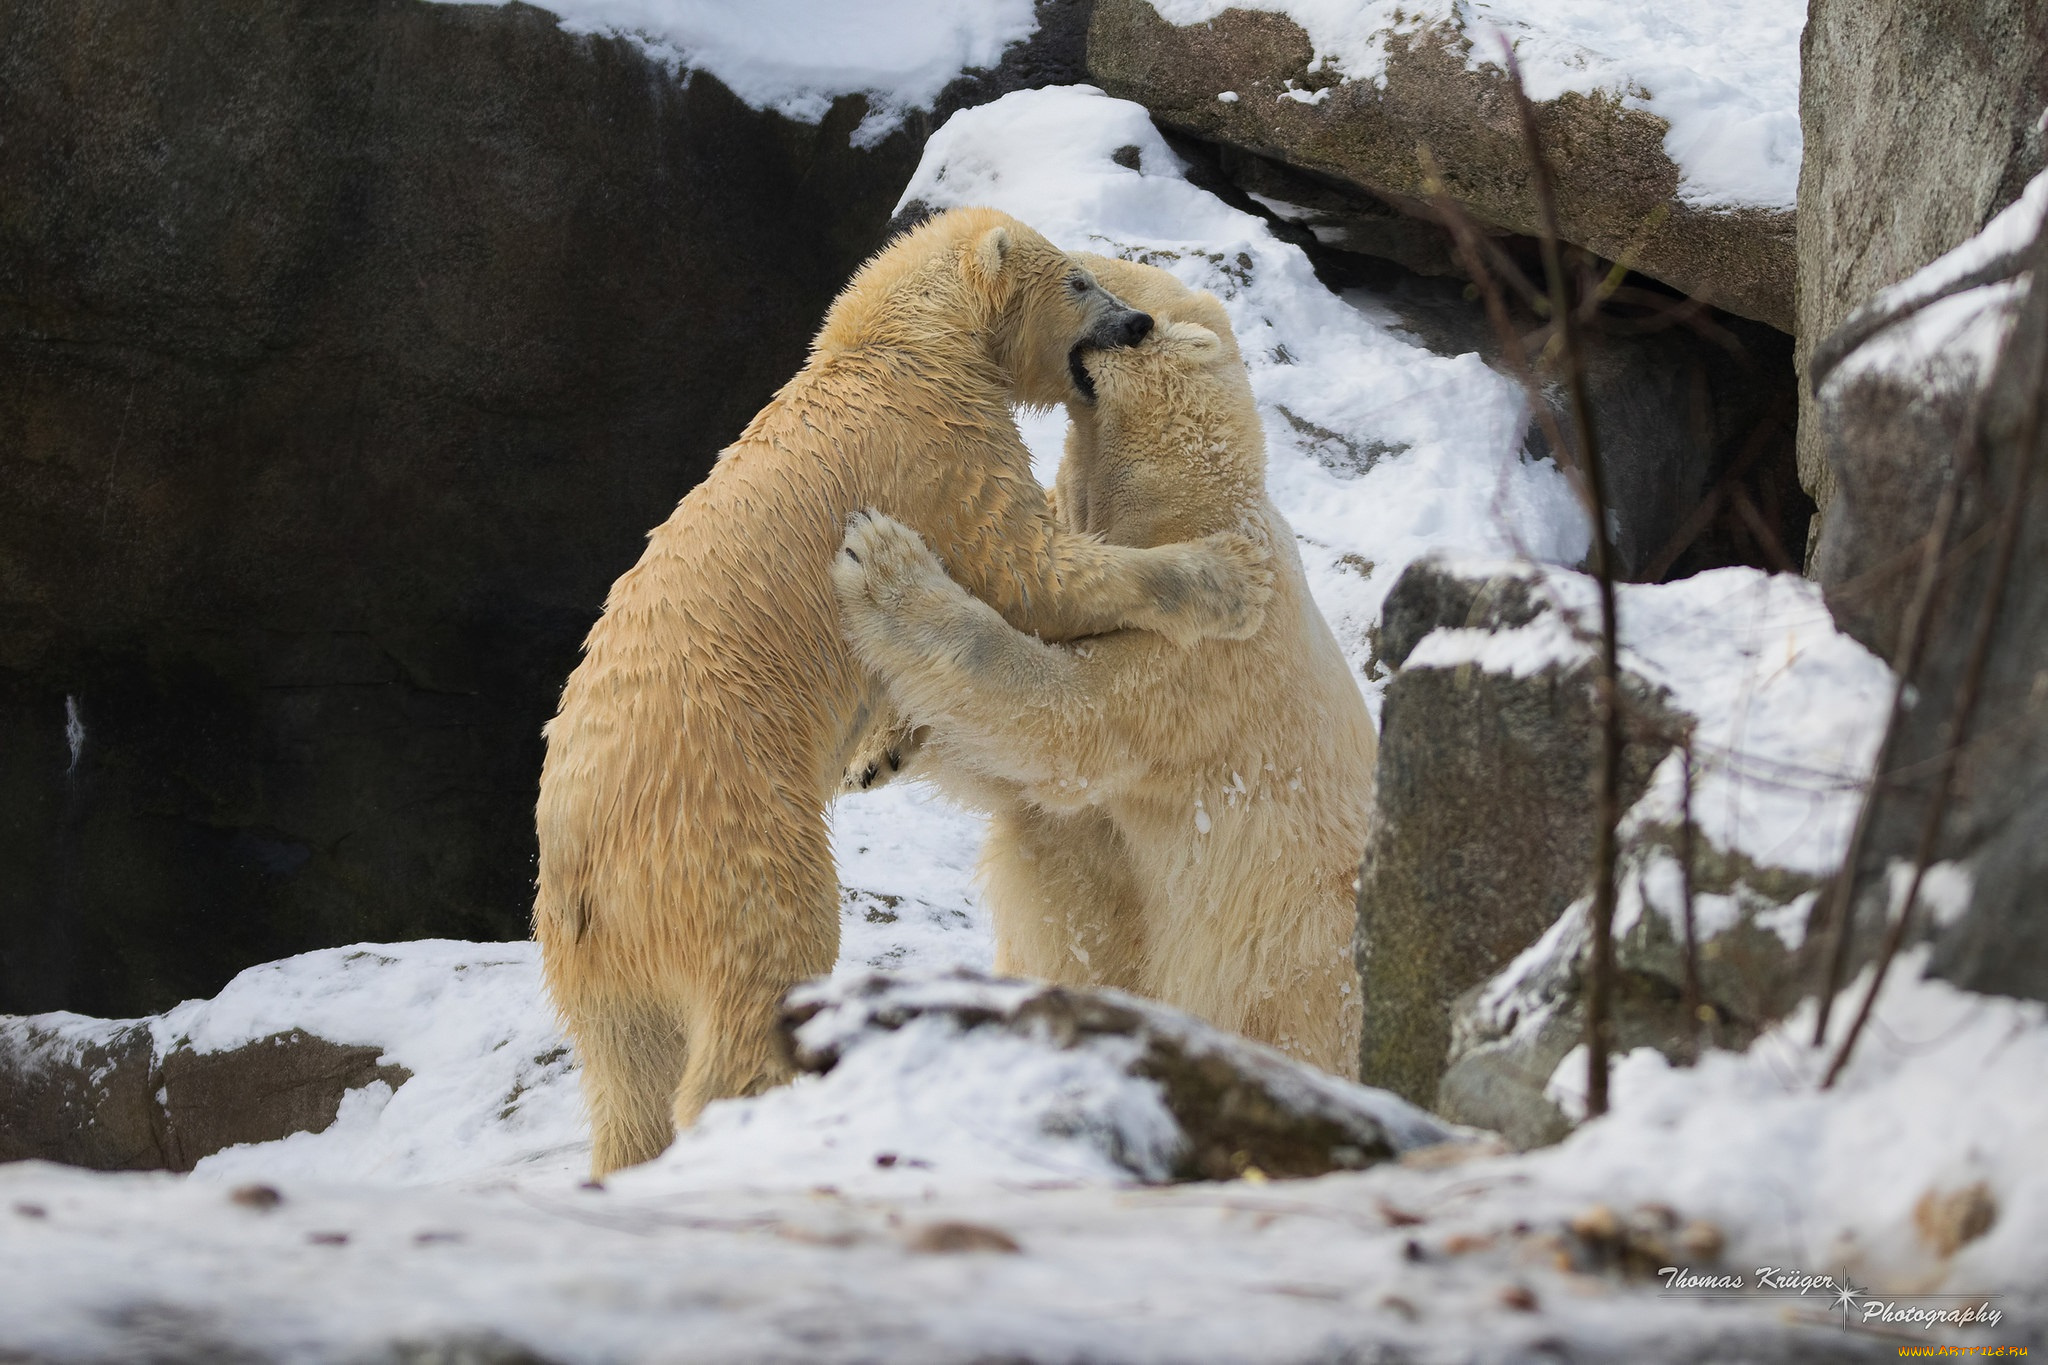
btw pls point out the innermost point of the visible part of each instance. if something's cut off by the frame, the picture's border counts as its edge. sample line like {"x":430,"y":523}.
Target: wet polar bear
{"x":686,"y":880}
{"x":1183,"y":822}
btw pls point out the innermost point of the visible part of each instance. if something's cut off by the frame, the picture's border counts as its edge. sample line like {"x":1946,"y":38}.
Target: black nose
{"x":1132,"y":328}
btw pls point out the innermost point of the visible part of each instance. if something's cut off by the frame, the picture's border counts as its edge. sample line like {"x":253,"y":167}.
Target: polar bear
{"x":1183,"y":822}
{"x":685,"y":877}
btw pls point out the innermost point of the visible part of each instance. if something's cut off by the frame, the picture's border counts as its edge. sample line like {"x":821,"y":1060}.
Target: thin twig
{"x":1467,"y":240}
{"x":1607,"y":792}
{"x":1690,"y":1000}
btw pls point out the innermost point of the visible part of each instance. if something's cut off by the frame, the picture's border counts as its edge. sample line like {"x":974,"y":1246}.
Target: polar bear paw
{"x":884,"y":754}
{"x":1226,"y":582}
{"x":885,"y":566}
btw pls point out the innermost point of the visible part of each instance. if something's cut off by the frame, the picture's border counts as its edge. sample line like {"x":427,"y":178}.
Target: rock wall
{"x":347,"y":352}
{"x":1921,"y":120}
{"x":101,"y":1093}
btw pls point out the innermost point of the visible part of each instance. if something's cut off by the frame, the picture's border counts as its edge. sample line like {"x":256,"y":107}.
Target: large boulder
{"x":347,"y":352}
{"x":1472,"y":932}
{"x":1897,"y":388}
{"x":1483,"y":830}
{"x":1980,"y":317}
{"x":1921,"y":120}
{"x":1253,"y":80}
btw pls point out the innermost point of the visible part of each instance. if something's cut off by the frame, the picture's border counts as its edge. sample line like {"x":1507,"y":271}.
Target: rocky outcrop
{"x":1921,"y":120}
{"x":1898,"y":388}
{"x":1751,"y":725}
{"x":1510,"y":1036}
{"x":102,"y":1094}
{"x":1980,"y":316}
{"x":1236,"y":1105}
{"x":1483,"y":833}
{"x":347,"y":352}
{"x":1618,"y":189}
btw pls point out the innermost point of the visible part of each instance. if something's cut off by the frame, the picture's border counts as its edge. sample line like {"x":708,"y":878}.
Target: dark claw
{"x":867,"y":779}
{"x":852,"y":556}
{"x":895,"y":761}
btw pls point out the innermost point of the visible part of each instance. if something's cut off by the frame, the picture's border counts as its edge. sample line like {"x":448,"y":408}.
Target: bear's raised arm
{"x":1026,"y":711}
{"x":1071,"y":585}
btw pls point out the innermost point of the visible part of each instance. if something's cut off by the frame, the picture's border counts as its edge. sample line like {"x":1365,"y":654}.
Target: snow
{"x":1724,"y":74}
{"x":816,"y":1255}
{"x":1946,"y":347}
{"x":1378,"y":451}
{"x":797,"y":56}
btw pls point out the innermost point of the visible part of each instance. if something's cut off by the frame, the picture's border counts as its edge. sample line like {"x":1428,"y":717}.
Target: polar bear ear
{"x":1190,"y":339}
{"x":986,"y":257}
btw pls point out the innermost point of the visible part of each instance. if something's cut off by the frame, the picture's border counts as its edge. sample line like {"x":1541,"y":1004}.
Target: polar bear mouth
{"x":1078,"y":372}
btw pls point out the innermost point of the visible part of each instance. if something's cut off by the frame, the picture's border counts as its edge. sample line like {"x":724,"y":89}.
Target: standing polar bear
{"x":686,"y":879}
{"x":1183,"y":822}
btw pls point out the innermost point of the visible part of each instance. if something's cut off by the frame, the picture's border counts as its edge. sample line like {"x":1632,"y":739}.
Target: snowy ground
{"x":777,"y":1232}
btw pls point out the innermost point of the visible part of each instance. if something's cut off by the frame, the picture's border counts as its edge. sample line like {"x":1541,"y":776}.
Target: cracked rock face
{"x":1921,"y":119}
{"x":1969,"y":331}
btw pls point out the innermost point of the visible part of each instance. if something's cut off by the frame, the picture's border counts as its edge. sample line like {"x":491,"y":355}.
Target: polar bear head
{"x":977,"y":274}
{"x":1170,"y":446}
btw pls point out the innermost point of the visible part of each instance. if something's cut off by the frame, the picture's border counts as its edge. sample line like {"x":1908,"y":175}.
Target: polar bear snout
{"x":1115,"y":330}
{"x":1117,"y":327}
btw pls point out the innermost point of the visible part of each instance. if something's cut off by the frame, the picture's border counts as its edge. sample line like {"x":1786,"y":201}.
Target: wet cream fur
{"x":1183,"y":822}
{"x":685,"y":877}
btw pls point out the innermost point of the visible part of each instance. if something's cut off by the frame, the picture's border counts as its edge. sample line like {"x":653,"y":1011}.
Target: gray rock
{"x":98,"y":1093}
{"x":78,"y":1091}
{"x":1892,"y":409}
{"x":1618,"y":189}
{"x":1995,"y":938}
{"x":1238,"y":1104}
{"x":1920,"y":120}
{"x":348,"y":350}
{"x":1484,"y":828}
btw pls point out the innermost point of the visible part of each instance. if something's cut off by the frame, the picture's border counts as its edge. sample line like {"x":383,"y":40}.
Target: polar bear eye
{"x":1078,"y":283}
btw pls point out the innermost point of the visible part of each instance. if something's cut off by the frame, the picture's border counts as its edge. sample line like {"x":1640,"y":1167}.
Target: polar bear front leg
{"x":944,"y":654}
{"x":1215,"y":588}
